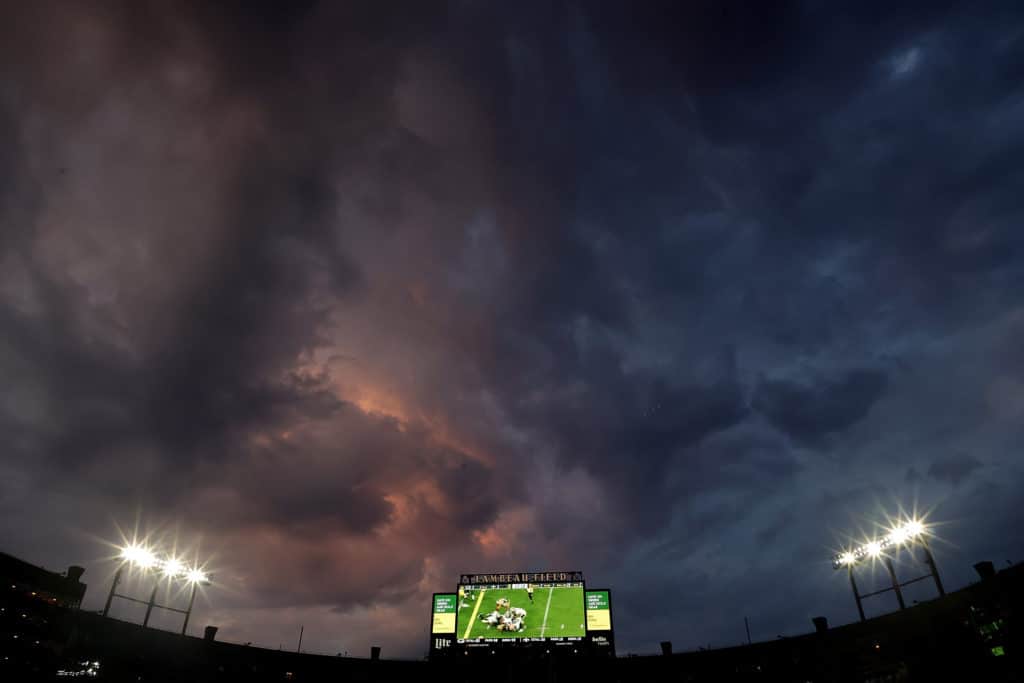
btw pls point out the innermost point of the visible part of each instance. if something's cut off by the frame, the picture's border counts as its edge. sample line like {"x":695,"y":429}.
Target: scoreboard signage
{"x":599,"y":610}
{"x":445,"y":608}
{"x":521,"y":577}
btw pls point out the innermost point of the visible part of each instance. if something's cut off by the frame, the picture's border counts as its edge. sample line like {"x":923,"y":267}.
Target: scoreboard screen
{"x":521,"y":607}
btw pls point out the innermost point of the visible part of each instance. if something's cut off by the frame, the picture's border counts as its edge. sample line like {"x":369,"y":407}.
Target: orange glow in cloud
{"x":377,"y":402}
{"x":506,"y":533}
{"x":442,"y":435}
{"x":374,"y":398}
{"x":405,"y":504}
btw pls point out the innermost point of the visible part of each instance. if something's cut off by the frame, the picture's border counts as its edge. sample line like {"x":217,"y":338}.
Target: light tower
{"x":909,"y":534}
{"x":167,"y":568}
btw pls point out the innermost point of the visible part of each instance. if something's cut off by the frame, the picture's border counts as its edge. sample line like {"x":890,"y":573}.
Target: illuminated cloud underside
{"x":354,"y":300}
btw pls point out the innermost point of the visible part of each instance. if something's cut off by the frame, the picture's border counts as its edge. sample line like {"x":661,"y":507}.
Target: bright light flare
{"x":173,"y":567}
{"x":139,"y":556}
{"x":899,"y":535}
{"x":906,"y":532}
{"x":196,"y":576}
{"x":913,"y":528}
{"x":902,"y":534}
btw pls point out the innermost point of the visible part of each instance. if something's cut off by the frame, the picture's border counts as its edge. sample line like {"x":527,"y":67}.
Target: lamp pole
{"x":895,"y":583}
{"x":149,"y":607}
{"x":856,"y":593}
{"x":931,"y":565}
{"x":188,"y":612}
{"x":113,"y":585}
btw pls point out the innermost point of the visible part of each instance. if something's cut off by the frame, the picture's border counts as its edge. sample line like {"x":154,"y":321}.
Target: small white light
{"x":873,"y":549}
{"x":196,"y":576}
{"x":139,"y":556}
{"x":173,"y":567}
{"x":906,"y":532}
{"x":913,"y":528}
{"x":847,"y":558}
{"x":898,"y":536}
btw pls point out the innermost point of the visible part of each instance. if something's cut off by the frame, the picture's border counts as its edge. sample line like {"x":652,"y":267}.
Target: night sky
{"x":349,"y":298}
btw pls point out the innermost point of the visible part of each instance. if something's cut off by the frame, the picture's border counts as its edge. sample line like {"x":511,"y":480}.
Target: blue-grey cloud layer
{"x":681,"y":295}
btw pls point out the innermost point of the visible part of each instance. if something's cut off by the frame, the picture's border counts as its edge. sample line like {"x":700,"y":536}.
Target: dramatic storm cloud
{"x":353,"y":297}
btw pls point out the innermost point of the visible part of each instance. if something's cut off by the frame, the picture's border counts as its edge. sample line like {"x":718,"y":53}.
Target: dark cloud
{"x":808,"y":411}
{"x":954,"y":469}
{"x":364,"y":296}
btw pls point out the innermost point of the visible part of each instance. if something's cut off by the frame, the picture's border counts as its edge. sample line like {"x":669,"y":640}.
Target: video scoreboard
{"x":500,"y":610}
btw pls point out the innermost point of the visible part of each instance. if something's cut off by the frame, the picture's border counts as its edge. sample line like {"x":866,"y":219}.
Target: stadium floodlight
{"x":913,"y":528}
{"x":170,"y":568}
{"x":173,"y":568}
{"x":907,"y":533}
{"x":138,"y":556}
{"x":196,"y":575}
{"x":899,"y":535}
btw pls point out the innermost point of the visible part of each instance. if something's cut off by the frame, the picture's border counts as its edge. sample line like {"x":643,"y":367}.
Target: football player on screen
{"x":529,"y":591}
{"x":492,"y":619}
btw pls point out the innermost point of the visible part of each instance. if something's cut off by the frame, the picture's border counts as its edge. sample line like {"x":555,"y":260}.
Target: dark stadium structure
{"x":63,"y":590}
{"x":972,"y":634}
